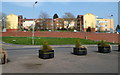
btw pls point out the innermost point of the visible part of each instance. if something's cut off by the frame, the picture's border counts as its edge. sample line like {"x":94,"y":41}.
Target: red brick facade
{"x":11,"y":30}
{"x":110,"y":37}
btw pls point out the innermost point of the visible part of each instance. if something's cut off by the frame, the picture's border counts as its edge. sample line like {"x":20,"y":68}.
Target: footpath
{"x":36,"y":46}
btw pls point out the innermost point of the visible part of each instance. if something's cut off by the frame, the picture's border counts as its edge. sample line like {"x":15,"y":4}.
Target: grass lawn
{"x":50,"y":40}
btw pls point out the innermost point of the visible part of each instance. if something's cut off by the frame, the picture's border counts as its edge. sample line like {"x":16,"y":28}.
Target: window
{"x":41,"y":27}
{"x":57,"y":24}
{"x":106,"y":29}
{"x":51,"y":24}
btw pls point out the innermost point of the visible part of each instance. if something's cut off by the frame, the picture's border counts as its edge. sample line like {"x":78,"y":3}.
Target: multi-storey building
{"x":58,"y":23}
{"x":105,"y":24}
{"x":49,"y":24}
{"x":43,"y":24}
{"x":20,"y":22}
{"x":20,"y":18}
{"x":80,"y":24}
{"x":27,"y":23}
{"x":12,"y":22}
{"x":55,"y":24}
{"x":89,"y":22}
{"x":70,"y":23}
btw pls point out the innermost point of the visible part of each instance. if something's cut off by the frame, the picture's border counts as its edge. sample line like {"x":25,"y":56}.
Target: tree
{"x":2,"y":20}
{"x":118,"y":27}
{"x":55,"y":16}
{"x":69,"y":17}
{"x":89,"y":29}
{"x":44,"y":16}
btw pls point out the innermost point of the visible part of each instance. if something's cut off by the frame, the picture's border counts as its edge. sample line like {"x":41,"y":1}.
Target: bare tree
{"x":43,"y":16}
{"x":2,"y":20}
{"x":69,"y":17}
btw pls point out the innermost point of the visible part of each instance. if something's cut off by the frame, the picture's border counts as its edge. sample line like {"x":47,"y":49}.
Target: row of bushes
{"x":47,"y":52}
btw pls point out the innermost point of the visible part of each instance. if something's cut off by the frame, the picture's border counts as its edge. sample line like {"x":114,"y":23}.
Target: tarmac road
{"x":24,"y":59}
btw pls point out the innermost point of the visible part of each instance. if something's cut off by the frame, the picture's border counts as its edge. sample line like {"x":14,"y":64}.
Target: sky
{"x":100,"y":9}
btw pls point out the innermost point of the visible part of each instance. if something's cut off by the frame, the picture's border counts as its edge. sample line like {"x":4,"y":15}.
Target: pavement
{"x":24,"y":59}
{"x":35,"y":46}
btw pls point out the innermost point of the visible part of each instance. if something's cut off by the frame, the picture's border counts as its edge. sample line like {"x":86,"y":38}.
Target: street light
{"x":33,"y":23}
{"x":4,"y":27}
{"x":111,"y":30}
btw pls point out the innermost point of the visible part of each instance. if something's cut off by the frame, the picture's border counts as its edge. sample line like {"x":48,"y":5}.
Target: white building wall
{"x":28,"y":23}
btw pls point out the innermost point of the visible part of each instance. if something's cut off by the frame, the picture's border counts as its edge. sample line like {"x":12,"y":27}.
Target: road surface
{"x":24,"y":59}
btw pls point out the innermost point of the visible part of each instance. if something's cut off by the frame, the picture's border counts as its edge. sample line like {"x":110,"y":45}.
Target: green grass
{"x":50,"y":40}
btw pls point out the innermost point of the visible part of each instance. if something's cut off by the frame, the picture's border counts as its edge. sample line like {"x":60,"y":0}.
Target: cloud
{"x":61,"y":0}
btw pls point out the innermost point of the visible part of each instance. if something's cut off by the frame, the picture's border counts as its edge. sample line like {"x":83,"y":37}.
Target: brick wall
{"x":110,"y":37}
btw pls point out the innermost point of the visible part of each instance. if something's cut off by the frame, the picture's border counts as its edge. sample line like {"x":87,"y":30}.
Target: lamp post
{"x":33,"y":23}
{"x":111,"y":30}
{"x":52,"y":24}
{"x":4,"y":27}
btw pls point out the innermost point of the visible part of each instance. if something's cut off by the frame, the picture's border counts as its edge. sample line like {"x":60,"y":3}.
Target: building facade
{"x":54,"y":24}
{"x":89,"y":22}
{"x":70,"y":23}
{"x":105,"y":24}
{"x":43,"y":24}
{"x":28,"y":23}
{"x":58,"y":23}
{"x":12,"y":22}
{"x":20,"y":23}
{"x":80,"y":24}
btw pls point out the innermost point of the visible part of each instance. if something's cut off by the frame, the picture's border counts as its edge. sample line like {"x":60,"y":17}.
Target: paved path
{"x":24,"y":59}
